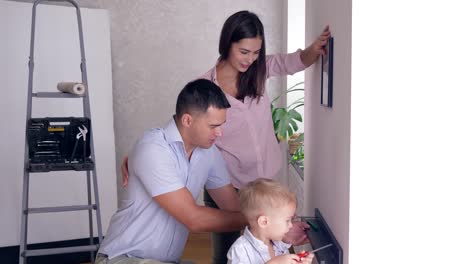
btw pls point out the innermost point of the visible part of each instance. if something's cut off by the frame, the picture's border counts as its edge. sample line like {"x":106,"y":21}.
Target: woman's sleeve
{"x":282,"y":64}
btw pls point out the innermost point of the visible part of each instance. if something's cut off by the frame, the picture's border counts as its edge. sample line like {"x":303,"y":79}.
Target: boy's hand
{"x":305,"y":257}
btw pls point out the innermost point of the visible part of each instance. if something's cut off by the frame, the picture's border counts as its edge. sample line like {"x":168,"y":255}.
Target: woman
{"x":248,"y":144}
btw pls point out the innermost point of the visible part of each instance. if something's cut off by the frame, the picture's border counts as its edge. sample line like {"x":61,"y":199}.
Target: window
{"x":296,"y":40}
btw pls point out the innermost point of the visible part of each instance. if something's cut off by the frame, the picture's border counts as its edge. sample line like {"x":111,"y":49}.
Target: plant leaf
{"x":295,"y":115}
{"x":290,"y":89}
{"x":299,"y":105}
{"x":300,"y":138}
{"x":294,"y":126}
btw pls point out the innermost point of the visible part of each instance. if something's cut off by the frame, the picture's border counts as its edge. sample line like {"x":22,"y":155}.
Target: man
{"x":168,"y":168}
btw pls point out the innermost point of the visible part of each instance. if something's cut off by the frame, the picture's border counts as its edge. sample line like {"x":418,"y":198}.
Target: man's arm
{"x":124,"y":169}
{"x":181,"y":205}
{"x":226,"y":198}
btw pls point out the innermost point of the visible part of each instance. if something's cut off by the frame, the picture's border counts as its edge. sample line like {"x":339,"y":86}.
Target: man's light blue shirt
{"x":158,"y":164}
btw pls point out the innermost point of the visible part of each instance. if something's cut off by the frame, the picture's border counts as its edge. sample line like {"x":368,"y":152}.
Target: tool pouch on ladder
{"x":59,"y":143}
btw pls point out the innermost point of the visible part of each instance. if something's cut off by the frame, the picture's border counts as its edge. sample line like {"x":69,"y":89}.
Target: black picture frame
{"x":326,"y":82}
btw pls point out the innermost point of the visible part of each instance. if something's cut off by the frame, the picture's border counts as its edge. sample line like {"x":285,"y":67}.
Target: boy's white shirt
{"x":249,"y":250}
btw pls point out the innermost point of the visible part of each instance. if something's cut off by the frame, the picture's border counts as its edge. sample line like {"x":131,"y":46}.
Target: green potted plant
{"x":285,"y":120}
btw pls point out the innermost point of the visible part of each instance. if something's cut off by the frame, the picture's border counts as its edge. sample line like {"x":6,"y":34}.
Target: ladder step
{"x":51,"y":251}
{"x":35,"y":166}
{"x":56,"y":95}
{"x":60,"y":209}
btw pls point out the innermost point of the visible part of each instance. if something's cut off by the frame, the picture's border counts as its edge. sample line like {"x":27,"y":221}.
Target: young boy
{"x":269,"y":208}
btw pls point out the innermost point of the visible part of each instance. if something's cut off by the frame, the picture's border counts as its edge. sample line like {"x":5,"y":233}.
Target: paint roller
{"x":72,"y":88}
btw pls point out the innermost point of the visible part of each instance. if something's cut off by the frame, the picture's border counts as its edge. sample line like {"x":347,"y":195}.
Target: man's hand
{"x":296,"y":235}
{"x":124,"y":168}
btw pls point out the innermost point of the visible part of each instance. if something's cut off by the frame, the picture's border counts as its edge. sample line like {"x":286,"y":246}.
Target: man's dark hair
{"x":198,"y":95}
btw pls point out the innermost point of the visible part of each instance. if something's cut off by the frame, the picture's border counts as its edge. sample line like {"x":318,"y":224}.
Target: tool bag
{"x":59,"y":143}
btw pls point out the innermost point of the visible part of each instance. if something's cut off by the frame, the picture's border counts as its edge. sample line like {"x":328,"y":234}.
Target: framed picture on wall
{"x":326,"y":98}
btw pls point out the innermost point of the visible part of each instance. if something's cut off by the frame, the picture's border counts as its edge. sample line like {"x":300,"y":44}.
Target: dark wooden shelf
{"x":322,"y":239}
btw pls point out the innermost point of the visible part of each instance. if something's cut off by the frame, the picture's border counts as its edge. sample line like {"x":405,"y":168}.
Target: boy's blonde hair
{"x":261,"y":195}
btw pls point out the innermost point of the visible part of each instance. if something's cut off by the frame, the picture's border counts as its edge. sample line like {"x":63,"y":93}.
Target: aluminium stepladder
{"x":90,"y":170}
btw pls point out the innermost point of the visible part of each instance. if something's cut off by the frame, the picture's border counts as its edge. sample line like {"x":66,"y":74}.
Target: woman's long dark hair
{"x":241,"y":25}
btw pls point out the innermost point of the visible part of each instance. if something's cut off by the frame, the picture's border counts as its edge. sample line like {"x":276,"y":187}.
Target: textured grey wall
{"x":158,"y":46}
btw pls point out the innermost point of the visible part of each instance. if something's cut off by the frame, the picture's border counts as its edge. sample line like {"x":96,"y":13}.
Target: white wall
{"x":57,"y":58}
{"x":393,"y":152}
{"x":326,"y":175}
{"x":409,"y":133}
